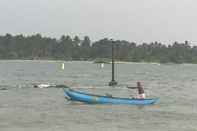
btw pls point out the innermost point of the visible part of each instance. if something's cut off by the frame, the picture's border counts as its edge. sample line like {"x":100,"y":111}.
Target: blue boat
{"x":97,"y":99}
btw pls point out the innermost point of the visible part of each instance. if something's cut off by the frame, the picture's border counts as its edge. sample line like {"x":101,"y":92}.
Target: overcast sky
{"x":133,"y":20}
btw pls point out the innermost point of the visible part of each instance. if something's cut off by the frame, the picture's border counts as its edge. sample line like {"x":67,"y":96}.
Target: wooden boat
{"x":97,"y":99}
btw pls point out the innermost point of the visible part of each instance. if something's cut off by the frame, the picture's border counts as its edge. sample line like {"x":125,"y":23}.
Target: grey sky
{"x":133,"y":20}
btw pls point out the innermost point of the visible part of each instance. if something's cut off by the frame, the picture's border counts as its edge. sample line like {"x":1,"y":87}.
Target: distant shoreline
{"x":117,"y":62}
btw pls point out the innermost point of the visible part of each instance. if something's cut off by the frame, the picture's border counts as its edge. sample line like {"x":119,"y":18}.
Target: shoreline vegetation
{"x":37,"y":47}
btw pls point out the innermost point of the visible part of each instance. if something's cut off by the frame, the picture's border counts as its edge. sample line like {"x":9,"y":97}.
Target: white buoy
{"x":62,"y":66}
{"x":42,"y":86}
{"x":102,"y":65}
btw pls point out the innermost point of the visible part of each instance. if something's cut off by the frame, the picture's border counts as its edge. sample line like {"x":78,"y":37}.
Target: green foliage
{"x":67,"y":48}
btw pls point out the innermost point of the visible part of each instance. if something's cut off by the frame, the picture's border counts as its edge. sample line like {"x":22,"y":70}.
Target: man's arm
{"x":131,"y":87}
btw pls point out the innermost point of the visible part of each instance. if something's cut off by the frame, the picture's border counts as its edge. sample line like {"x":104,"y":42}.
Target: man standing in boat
{"x":141,"y":93}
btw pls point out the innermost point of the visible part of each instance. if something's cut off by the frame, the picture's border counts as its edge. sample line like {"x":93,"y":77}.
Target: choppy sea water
{"x":23,"y":107}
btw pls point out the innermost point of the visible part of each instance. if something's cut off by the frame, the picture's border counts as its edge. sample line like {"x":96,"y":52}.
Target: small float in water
{"x":47,"y":86}
{"x":43,"y":85}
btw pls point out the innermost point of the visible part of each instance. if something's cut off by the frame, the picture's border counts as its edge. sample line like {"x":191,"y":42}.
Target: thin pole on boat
{"x":112,"y":82}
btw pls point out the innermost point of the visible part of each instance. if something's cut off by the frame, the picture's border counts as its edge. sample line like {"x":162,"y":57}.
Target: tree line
{"x":68,"y":48}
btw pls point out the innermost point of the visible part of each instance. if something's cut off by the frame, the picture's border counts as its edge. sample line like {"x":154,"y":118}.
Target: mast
{"x":112,"y":82}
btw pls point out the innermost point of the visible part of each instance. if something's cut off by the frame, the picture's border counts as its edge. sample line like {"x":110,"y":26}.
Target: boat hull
{"x":96,"y":99}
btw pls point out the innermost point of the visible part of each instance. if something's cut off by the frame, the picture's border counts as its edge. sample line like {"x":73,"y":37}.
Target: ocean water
{"x":23,"y":107}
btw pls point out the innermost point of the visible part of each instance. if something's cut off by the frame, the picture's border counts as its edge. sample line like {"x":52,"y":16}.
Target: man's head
{"x":138,"y":84}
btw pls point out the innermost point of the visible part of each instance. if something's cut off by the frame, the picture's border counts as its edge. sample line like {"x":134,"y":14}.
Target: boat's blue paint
{"x":96,"y":99}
